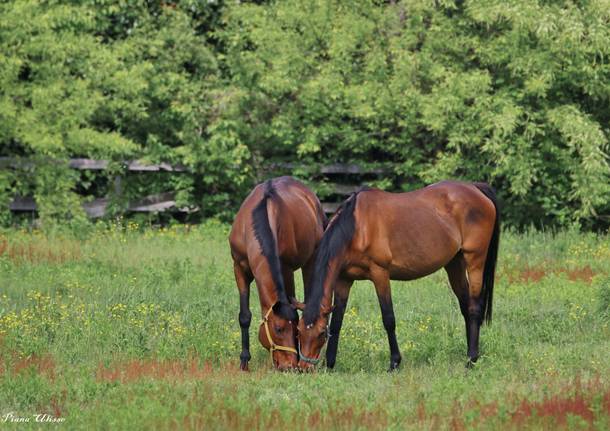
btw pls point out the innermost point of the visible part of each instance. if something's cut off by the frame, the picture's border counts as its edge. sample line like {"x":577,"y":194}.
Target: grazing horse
{"x":275,"y":232}
{"x":382,"y":236}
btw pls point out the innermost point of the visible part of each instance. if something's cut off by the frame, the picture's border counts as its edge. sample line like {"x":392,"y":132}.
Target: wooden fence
{"x":342,"y":179}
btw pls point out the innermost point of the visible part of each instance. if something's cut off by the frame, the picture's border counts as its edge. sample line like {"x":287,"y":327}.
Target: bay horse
{"x":275,"y":232}
{"x":382,"y":236}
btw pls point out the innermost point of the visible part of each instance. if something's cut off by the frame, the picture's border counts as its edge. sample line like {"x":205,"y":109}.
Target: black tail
{"x":266,"y":239}
{"x":492,"y":254}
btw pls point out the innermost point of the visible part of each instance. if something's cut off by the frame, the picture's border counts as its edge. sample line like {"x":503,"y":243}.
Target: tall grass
{"x":134,"y":328}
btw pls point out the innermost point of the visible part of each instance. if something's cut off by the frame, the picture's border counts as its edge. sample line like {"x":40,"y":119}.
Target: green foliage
{"x":516,"y":93}
{"x":106,"y":80}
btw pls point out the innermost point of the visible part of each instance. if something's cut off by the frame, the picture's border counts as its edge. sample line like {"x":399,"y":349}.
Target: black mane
{"x":266,"y":239}
{"x":336,"y":237}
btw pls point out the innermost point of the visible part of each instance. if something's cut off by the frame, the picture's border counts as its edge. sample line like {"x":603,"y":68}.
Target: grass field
{"x":125,"y":328}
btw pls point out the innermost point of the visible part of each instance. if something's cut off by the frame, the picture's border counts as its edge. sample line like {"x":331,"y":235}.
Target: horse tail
{"x":492,"y":254}
{"x":267,"y":239}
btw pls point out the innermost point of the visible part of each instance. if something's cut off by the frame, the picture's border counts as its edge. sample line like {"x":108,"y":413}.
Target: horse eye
{"x":278,"y":329}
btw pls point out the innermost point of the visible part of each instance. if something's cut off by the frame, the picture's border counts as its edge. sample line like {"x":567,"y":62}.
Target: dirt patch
{"x":585,"y":274}
{"x":557,"y":409}
{"x":340,"y":417}
{"x":524,"y":275}
{"x":533,"y":274}
{"x":41,"y":364}
{"x":138,"y":369}
{"x":589,"y":403}
{"x":41,"y":250}
{"x":348,"y":418}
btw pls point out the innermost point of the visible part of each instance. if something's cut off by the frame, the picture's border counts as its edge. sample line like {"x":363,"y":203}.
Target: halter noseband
{"x":272,"y":345}
{"x":312,"y":361}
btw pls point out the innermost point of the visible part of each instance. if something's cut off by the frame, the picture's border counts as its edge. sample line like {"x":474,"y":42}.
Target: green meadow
{"x":126,"y":327}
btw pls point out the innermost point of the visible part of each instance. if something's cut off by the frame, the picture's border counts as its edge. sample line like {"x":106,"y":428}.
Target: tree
{"x":515,"y":93}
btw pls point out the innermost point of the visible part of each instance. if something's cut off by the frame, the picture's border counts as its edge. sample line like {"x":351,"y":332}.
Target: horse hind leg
{"x":475,"y":264}
{"x":458,"y":279}
{"x":243,"y":281}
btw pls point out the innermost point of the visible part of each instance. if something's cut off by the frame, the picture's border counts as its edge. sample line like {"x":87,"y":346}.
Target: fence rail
{"x":97,"y":208}
{"x":93,"y":165}
{"x":342,"y":185}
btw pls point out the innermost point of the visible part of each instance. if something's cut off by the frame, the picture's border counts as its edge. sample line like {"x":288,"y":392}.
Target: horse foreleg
{"x":245,"y":316}
{"x":342,"y":289}
{"x":381,"y":279}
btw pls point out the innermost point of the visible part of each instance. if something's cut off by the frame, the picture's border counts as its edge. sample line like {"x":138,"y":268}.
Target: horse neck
{"x":267,"y":296}
{"x":334,"y":269}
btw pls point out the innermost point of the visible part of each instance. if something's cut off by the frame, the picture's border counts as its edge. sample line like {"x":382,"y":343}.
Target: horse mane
{"x":337,"y":236}
{"x":268,"y":245}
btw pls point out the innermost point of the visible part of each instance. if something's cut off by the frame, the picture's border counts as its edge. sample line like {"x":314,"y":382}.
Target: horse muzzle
{"x":307,"y":363}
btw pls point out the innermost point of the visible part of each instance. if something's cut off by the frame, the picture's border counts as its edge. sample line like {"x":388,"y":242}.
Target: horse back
{"x":472,"y":213}
{"x":300,"y":221}
{"x":295,"y":218}
{"x":416,"y":233}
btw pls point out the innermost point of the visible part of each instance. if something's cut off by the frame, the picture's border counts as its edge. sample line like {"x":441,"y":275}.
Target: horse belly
{"x":413,"y":273}
{"x":421,"y":252}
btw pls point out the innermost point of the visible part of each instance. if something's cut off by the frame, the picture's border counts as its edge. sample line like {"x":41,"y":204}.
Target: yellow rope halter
{"x":274,"y":346}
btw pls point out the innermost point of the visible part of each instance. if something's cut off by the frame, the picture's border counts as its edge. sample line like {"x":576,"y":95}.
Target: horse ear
{"x":327,"y":310}
{"x":296,"y":304}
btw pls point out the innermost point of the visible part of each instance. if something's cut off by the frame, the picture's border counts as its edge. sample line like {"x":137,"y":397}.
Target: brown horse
{"x":380,"y":236}
{"x":275,"y":232}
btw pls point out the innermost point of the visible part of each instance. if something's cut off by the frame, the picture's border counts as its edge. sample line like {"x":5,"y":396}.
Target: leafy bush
{"x":106,"y":80}
{"x":510,"y":92}
{"x":514,"y":93}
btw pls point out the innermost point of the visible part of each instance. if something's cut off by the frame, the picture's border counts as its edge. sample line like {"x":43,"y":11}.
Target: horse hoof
{"x":393,"y":367}
{"x":244,"y":366}
{"x":470,"y":364}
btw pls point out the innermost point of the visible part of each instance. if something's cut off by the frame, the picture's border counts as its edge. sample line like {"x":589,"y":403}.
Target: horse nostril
{"x":305,"y":367}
